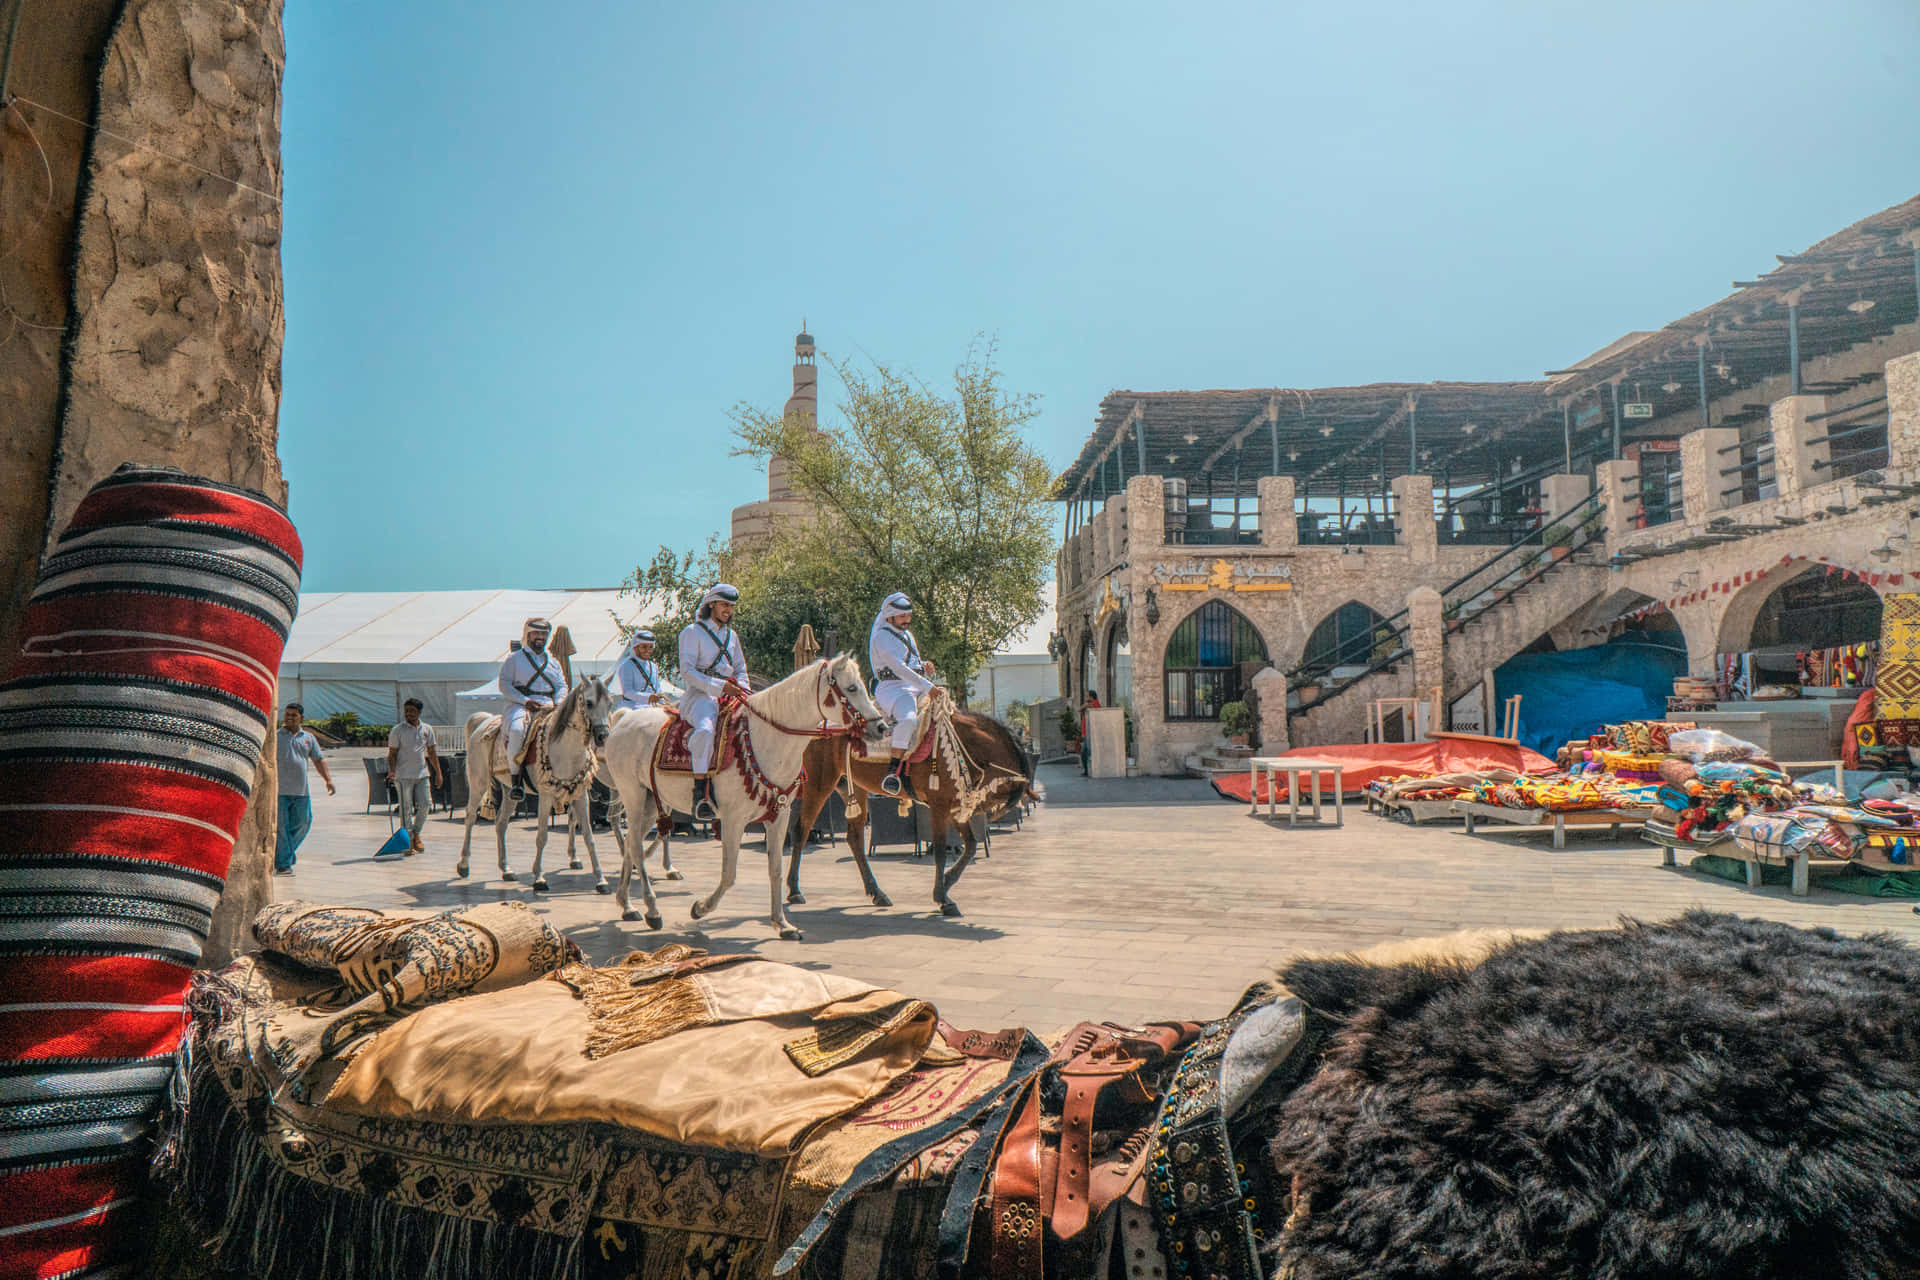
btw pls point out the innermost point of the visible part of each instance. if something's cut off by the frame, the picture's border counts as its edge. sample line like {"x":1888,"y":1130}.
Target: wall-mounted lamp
{"x":1686,"y":580}
{"x":1153,"y":609}
{"x":1885,"y":552}
{"x":1056,"y":645}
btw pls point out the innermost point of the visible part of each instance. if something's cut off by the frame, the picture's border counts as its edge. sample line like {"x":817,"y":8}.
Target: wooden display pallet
{"x":1803,"y":863}
{"x":1534,"y":821}
{"x":1417,"y":812}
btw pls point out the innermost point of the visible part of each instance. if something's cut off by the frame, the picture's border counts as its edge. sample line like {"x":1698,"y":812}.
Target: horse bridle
{"x":826,"y":694}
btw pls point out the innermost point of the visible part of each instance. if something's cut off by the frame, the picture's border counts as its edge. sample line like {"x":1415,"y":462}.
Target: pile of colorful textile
{"x":1437,"y":786}
{"x":1711,"y":781}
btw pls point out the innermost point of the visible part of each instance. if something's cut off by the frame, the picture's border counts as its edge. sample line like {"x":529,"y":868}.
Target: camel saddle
{"x":670,"y":751}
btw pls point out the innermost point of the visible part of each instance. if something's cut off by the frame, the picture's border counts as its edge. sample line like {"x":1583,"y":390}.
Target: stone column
{"x":1427,"y":634}
{"x":1271,"y":688}
{"x":1794,"y":458}
{"x":1560,"y":494}
{"x":1701,"y":463}
{"x":1903,"y":413}
{"x":1620,"y":481}
{"x":1279,"y":526}
{"x":1146,"y":516}
{"x":1414,"y":526}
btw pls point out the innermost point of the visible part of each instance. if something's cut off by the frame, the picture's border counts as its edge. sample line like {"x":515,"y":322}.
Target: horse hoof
{"x":795,"y":898}
{"x":790,"y":934}
{"x":699,"y":909}
{"x":656,"y":923}
{"x":674,"y":873}
{"x":950,"y":911}
{"x":540,"y":885}
{"x":508,"y":876}
{"x":574,"y":864}
{"x":879,"y":899}
{"x":603,"y":887}
{"x":629,"y":914}
{"x":461,"y":871}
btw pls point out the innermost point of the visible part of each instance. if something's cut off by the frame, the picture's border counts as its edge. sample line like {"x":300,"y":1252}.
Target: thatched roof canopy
{"x":1325,"y":436}
{"x":1850,"y":288}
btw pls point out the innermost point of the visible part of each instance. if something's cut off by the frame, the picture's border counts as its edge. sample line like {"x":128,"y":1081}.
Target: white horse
{"x":564,"y":763}
{"x":821,"y":698}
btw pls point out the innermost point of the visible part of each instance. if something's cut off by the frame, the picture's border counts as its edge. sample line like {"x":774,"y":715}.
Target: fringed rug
{"x":131,"y":726}
{"x":286,"y":1187}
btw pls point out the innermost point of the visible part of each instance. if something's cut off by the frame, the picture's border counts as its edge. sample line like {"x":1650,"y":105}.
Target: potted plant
{"x":1070,"y":729}
{"x":1236,"y":721}
{"x":1558,"y":540}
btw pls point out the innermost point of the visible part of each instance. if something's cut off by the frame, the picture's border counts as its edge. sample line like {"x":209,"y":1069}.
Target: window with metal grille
{"x":1203,"y":661}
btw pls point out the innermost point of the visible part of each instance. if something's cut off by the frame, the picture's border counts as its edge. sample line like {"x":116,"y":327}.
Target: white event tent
{"x":368,"y":651}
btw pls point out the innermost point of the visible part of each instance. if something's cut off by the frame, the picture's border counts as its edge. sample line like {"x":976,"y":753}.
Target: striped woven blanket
{"x":131,"y":727}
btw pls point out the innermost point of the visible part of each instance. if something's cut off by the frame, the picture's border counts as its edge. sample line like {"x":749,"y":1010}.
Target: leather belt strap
{"x":1019,"y":1246}
{"x":888,"y":1159}
{"x":1112,"y":1058}
{"x":967,"y":1188}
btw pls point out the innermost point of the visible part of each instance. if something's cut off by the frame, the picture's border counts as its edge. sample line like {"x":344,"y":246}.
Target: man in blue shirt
{"x":295,"y":747}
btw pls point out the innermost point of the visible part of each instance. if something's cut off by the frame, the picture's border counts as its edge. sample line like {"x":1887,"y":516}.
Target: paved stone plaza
{"x":1121,"y":899}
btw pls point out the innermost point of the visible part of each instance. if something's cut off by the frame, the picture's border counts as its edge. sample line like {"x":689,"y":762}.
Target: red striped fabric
{"x":130,"y":727}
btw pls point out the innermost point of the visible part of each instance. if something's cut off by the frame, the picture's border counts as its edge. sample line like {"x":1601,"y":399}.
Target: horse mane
{"x":564,"y":712}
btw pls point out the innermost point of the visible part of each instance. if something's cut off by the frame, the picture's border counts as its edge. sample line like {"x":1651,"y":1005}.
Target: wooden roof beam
{"x":1269,"y":413}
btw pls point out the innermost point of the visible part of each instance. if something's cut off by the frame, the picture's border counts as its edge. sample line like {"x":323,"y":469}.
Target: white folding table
{"x":1293,"y":767}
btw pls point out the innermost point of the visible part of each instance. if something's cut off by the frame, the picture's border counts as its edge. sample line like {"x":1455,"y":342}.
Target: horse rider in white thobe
{"x":900,"y":678}
{"x":714,"y":667}
{"x":530,"y":678}
{"x":638,"y":675}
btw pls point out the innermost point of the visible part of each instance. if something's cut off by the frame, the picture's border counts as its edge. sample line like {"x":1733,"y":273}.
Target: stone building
{"x":784,"y":502}
{"x":1322,"y":549}
{"x":142,"y":314}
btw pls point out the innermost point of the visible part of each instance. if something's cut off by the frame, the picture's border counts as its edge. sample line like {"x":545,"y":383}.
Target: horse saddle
{"x":671,"y":753}
{"x":922,"y":748}
{"x":528,"y":744}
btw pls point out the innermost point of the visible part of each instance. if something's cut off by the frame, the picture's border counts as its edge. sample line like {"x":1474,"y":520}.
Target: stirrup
{"x":890,"y":785}
{"x":703,"y":810}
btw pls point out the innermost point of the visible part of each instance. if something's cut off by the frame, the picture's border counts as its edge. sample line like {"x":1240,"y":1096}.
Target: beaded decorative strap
{"x":1210,"y":1207}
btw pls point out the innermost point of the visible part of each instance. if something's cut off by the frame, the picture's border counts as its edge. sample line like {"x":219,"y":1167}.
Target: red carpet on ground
{"x":1361,"y":763}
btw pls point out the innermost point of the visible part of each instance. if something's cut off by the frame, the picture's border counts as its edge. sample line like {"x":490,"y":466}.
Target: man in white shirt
{"x":638,"y":675}
{"x":411,"y":760}
{"x":714,"y":667}
{"x":530,"y":678}
{"x":900,"y":679}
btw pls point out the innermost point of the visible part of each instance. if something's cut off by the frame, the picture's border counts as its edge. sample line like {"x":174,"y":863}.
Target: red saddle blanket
{"x":670,"y":753}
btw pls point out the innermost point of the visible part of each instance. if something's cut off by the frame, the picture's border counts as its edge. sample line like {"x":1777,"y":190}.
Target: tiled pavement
{"x":1119,"y":899}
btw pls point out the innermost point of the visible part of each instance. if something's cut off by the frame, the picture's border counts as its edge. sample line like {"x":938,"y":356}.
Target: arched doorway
{"x":1790,"y":627}
{"x":1346,"y":637}
{"x":1207,"y":659}
{"x":1087,"y":684}
{"x":1119,"y":667}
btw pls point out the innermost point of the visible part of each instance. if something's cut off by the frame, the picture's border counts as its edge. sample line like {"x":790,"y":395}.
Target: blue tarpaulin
{"x":1566,"y":696}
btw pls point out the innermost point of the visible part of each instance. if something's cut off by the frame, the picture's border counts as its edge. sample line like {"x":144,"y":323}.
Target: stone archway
{"x":1343,"y":637}
{"x":1745,"y":616}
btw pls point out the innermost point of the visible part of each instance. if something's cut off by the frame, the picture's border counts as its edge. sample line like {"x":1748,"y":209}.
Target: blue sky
{"x":534,"y":254}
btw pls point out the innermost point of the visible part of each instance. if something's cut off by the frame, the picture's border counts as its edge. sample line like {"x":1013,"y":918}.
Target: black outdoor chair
{"x":380,"y":788}
{"x":452,"y":794}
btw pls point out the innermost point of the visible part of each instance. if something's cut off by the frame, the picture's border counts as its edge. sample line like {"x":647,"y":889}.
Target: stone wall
{"x":176,"y":315}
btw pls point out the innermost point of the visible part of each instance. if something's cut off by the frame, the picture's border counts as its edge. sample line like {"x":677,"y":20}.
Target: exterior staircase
{"x":1490,"y":615}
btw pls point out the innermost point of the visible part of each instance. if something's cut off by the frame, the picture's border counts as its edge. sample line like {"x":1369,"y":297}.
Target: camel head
{"x":843,"y":676}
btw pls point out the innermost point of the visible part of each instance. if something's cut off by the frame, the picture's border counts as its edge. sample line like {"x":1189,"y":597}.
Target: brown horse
{"x":1001,"y":770}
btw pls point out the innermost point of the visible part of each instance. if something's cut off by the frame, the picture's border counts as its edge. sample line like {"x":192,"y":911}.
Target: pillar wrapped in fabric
{"x":131,"y":726}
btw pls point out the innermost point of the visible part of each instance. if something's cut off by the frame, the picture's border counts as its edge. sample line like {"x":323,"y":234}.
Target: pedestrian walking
{"x":411,"y":761}
{"x":294,"y":749}
{"x":1086,"y":742}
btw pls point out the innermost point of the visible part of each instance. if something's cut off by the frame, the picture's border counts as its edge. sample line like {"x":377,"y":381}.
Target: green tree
{"x":938,"y":496}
